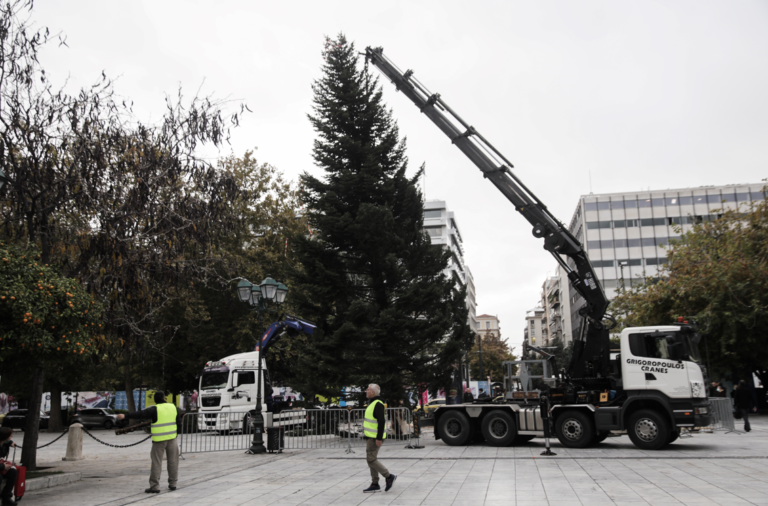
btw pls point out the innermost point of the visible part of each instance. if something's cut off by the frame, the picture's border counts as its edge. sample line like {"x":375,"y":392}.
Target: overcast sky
{"x":635,"y":95}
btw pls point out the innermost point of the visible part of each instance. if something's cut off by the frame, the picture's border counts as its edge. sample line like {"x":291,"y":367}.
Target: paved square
{"x":703,"y":470}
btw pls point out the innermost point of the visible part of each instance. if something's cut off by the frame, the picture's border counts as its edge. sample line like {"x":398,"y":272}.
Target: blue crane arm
{"x":290,"y":325}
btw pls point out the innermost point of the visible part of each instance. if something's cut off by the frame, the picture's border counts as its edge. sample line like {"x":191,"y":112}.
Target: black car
{"x":96,"y":417}
{"x":17,"y":419}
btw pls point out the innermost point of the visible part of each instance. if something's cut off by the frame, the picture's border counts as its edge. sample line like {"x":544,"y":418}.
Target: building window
{"x":434,"y":231}
{"x":487,"y":325}
{"x":478,"y":325}
{"x":432,"y":214}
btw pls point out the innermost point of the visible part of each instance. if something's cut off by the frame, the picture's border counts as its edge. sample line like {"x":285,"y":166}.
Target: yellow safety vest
{"x":370,"y":425}
{"x":165,"y":426}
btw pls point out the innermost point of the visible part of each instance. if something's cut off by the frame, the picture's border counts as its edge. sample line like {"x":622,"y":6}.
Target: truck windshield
{"x":692,"y":348}
{"x":214,"y":380}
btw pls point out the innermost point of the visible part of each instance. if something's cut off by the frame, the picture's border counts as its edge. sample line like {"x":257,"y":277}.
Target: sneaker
{"x":152,"y":491}
{"x":171,"y":488}
{"x":390,"y":482}
{"x":373,"y":488}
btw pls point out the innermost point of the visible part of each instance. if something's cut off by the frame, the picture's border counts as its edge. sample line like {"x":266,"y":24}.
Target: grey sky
{"x":639,"y":94}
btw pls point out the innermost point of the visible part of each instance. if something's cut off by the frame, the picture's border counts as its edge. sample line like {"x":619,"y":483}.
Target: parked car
{"x":96,"y":417}
{"x":17,"y":419}
{"x":430,"y":407}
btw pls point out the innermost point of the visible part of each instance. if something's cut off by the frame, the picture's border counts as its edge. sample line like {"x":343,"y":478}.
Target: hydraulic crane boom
{"x":558,"y":240}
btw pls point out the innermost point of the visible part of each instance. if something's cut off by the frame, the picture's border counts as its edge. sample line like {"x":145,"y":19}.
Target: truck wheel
{"x":498,"y":428}
{"x":575,"y":429}
{"x":648,"y":429}
{"x":673,"y":435}
{"x":454,"y":428}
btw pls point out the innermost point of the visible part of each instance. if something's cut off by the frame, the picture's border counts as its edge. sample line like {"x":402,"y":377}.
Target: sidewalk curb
{"x":52,"y":481}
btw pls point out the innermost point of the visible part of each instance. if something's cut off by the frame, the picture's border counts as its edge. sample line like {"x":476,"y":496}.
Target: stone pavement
{"x":703,"y":470}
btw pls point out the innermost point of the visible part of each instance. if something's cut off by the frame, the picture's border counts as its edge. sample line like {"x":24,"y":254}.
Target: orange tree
{"x":717,"y":274}
{"x":44,"y":318}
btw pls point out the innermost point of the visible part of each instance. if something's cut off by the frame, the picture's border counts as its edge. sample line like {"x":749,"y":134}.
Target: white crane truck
{"x":651,"y":389}
{"x":228,"y":386}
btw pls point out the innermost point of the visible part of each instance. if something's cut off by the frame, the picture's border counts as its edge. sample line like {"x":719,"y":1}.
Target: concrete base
{"x":52,"y":481}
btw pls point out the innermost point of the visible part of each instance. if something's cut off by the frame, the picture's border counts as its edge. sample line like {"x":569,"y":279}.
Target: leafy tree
{"x":209,"y":324}
{"x":370,"y":276}
{"x":716,"y":274}
{"x":44,"y":319}
{"x":495,"y":352}
{"x":126,"y":208}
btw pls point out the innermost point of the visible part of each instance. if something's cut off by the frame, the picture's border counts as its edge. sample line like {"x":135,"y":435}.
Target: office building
{"x":440,"y":224}
{"x":626,"y":235}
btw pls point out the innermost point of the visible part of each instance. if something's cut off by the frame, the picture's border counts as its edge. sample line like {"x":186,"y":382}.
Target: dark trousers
{"x":10,"y":482}
{"x":745,"y":414}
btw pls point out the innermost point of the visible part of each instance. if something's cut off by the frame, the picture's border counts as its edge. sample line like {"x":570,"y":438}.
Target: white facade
{"x":533,"y":326}
{"x":440,"y":224}
{"x":488,"y":326}
{"x":625,"y":234}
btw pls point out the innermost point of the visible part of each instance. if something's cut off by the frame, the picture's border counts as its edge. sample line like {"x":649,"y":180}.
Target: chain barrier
{"x":48,"y":444}
{"x":115,"y":446}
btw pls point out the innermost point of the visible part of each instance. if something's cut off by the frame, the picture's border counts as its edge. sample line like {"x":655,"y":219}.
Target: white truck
{"x":228,"y":387}
{"x":651,"y":389}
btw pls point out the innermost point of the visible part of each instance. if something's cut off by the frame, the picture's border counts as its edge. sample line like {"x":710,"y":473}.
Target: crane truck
{"x":229,"y":386}
{"x":651,"y":389}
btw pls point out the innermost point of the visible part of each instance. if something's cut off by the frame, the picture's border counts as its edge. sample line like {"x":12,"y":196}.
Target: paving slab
{"x":707,"y":469}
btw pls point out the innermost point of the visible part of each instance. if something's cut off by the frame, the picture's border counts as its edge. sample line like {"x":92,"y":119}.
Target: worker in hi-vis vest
{"x":375,"y":432}
{"x":166,"y":421}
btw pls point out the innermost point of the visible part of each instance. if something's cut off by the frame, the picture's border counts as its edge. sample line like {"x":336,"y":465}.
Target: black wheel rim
{"x":498,"y":428}
{"x":453,"y":428}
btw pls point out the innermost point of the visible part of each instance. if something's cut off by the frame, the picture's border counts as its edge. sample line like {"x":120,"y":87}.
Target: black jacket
{"x":742,"y":397}
{"x":379,"y":413}
{"x":151,"y":414}
{"x":5,"y":449}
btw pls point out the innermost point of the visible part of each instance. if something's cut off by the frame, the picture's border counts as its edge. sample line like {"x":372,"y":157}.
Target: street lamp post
{"x":622,"y":265}
{"x":260,"y":298}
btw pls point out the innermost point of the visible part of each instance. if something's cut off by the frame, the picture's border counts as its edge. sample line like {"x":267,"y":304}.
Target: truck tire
{"x":498,"y":428}
{"x":673,"y":435}
{"x":575,"y":429}
{"x":648,"y":429}
{"x":455,"y":429}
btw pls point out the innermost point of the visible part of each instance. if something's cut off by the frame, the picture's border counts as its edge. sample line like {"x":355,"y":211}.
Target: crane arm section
{"x":558,"y":240}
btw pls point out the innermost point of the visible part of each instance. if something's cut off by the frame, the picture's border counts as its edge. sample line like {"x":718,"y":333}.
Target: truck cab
{"x":228,"y":391}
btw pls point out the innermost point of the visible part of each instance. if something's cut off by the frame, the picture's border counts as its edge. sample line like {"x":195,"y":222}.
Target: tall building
{"x":533,"y":326}
{"x":625,"y":234}
{"x":440,"y":224}
{"x":488,"y":326}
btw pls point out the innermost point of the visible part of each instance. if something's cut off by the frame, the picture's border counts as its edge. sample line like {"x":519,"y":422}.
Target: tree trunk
{"x":54,"y":423}
{"x":128,"y":380}
{"x":29,"y":452}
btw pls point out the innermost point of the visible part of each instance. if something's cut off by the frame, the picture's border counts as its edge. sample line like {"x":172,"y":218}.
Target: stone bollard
{"x":75,"y":442}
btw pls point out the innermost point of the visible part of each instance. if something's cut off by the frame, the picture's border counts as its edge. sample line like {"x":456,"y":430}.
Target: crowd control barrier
{"x":299,"y":429}
{"x":722,"y":414}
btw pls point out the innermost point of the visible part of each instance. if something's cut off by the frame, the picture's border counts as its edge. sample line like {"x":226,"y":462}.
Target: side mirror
{"x":675,"y":351}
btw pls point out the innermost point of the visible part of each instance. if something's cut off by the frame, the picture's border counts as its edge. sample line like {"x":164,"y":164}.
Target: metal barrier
{"x":305,"y":429}
{"x":722,"y":414}
{"x":213,"y":432}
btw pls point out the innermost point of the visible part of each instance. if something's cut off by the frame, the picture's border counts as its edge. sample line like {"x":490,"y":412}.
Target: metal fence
{"x":305,"y":429}
{"x":722,"y":414}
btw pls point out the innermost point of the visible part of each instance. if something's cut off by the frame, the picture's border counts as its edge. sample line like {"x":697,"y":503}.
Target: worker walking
{"x":165,"y":423}
{"x":375,"y":432}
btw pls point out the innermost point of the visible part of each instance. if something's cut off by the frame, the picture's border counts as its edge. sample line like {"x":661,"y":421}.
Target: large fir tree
{"x":370,"y":278}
